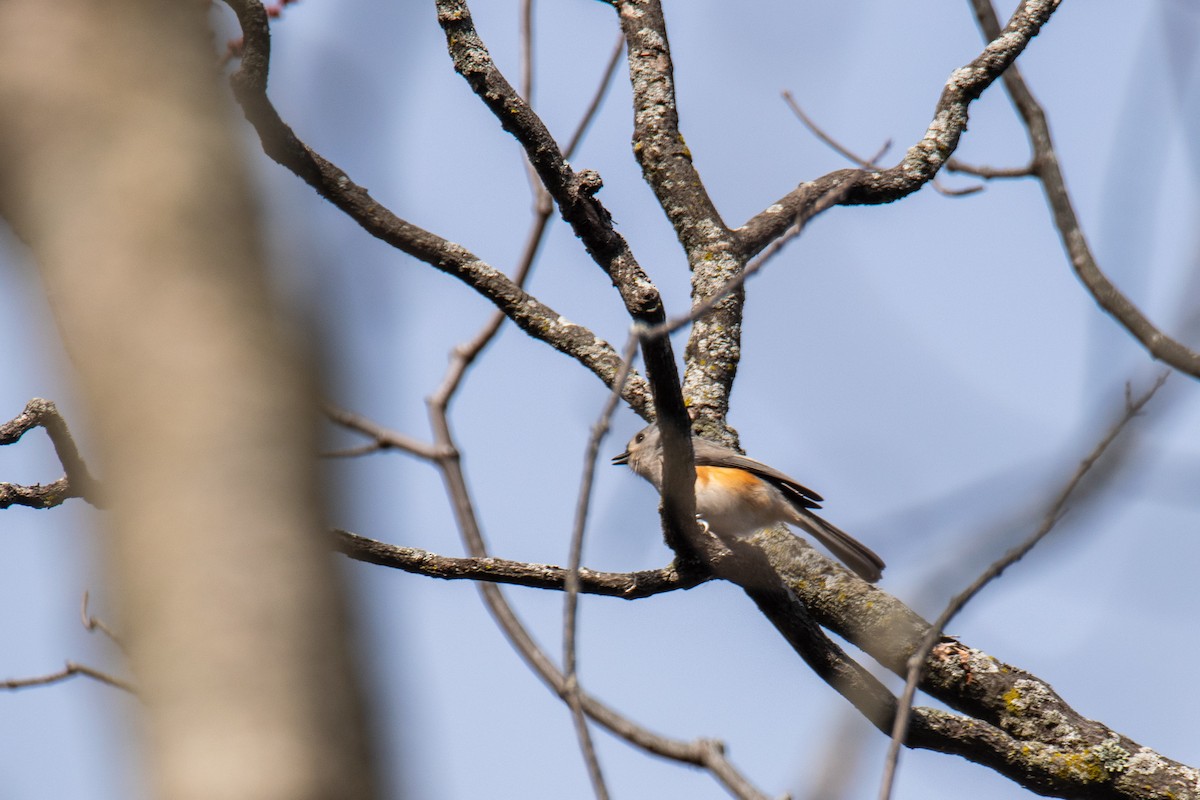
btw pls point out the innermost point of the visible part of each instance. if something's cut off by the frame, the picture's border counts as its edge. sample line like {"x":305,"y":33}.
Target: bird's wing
{"x":710,"y":455}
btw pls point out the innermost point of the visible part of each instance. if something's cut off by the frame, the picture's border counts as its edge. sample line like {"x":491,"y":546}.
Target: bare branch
{"x":354,"y":452}
{"x":624,"y":585}
{"x":542,"y":200}
{"x":713,"y":350}
{"x":71,"y":670}
{"x":1045,"y":163}
{"x":575,"y":195}
{"x":575,"y":558}
{"x":700,"y":753}
{"x":281,"y":144}
{"x":97,"y":624}
{"x":573,"y":192}
{"x":923,"y":160}
{"x":837,"y":146}
{"x":464,"y":355}
{"x":381,"y":437}
{"x":610,"y":71}
{"x":1014,"y":722}
{"x":38,"y":495}
{"x":917,"y":660}
{"x":946,"y":191}
{"x":77,"y":482}
{"x":990,"y":173}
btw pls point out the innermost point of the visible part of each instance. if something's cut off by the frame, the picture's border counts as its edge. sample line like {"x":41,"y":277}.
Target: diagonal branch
{"x":280,"y":143}
{"x":829,"y":141}
{"x":702,"y":753}
{"x":923,"y":160}
{"x":1046,"y":167}
{"x":917,"y":660}
{"x":574,"y":193}
{"x":1009,"y":716}
{"x":1014,"y":722}
{"x":570,"y":622}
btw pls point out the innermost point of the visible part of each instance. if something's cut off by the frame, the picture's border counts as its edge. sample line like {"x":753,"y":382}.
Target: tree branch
{"x":702,"y":753}
{"x":625,"y":585}
{"x":282,"y":145}
{"x":917,"y":660}
{"x":71,"y":670}
{"x":829,"y":141}
{"x":1012,"y":721}
{"x":1016,"y":724}
{"x":713,"y":351}
{"x":77,"y":482}
{"x":923,"y":160}
{"x":990,"y":173}
{"x":1045,"y":165}
{"x":574,"y":193}
{"x":381,"y":438}
{"x":1004,"y":713}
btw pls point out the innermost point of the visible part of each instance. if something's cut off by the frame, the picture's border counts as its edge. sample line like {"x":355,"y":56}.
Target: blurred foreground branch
{"x":122,"y":174}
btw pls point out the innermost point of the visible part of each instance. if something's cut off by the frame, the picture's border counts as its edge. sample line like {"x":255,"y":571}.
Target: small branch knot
{"x":590,"y":182}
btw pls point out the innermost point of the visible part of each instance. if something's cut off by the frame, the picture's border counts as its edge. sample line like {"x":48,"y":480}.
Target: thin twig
{"x":355,"y":452}
{"x":71,"y":670}
{"x":541,"y":198}
{"x":831,"y":198}
{"x":700,"y":753}
{"x":1045,"y":162}
{"x":946,"y":191}
{"x":381,"y":437}
{"x":991,"y":173}
{"x":837,"y":146}
{"x":1055,"y":512}
{"x":610,"y":70}
{"x":543,"y":209}
{"x":97,"y":624}
{"x":527,"y":70}
{"x":575,"y":559}
{"x":923,"y":159}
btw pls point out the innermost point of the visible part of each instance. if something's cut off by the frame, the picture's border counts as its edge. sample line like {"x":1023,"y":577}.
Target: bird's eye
{"x":639,"y":438}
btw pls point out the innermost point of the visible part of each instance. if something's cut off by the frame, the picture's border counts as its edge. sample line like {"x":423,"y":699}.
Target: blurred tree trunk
{"x":121,"y":173}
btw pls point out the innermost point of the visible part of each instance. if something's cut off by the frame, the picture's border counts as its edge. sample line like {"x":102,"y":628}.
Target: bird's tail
{"x":851,"y":552}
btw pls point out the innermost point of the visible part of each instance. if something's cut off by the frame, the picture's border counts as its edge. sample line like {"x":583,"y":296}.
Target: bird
{"x":736,"y":496}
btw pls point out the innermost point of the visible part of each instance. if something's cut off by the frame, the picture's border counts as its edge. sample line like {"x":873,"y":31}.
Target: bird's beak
{"x":621,"y":459}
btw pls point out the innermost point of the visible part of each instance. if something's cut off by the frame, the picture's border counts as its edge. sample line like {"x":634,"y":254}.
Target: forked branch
{"x":77,"y":480}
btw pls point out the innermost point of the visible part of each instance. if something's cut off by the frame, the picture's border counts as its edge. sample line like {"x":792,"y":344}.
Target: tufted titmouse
{"x":737,"y":496}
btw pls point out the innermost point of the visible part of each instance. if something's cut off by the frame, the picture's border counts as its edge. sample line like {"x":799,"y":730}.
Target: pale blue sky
{"x":931,"y":367}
